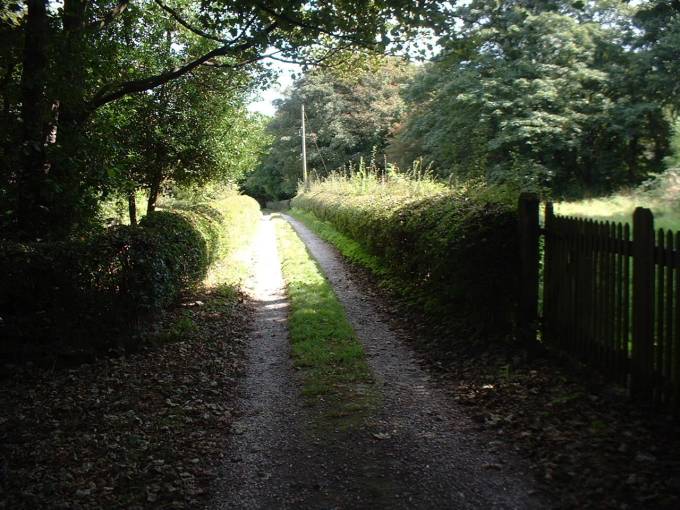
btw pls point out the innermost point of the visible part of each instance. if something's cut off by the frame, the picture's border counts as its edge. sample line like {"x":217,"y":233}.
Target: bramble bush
{"x":451,"y":250}
{"x":84,"y":296}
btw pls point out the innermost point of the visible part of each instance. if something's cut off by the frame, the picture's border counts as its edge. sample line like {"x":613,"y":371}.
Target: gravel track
{"x":415,"y":450}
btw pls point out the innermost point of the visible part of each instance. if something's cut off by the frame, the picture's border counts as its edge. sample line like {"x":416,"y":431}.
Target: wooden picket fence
{"x":610,"y":296}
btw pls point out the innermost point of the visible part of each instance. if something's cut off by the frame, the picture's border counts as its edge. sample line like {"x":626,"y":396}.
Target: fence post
{"x":548,"y":261}
{"x":527,"y":320}
{"x":642,"y":361}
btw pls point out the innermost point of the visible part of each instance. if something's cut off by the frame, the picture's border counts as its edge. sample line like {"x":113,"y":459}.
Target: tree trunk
{"x":632,"y":160}
{"x":32,"y":190}
{"x":7,"y":79}
{"x":132,"y":208}
{"x":69,"y":117}
{"x":7,"y":124}
{"x":154,"y":190}
{"x":47,"y":195}
{"x":661,"y":135}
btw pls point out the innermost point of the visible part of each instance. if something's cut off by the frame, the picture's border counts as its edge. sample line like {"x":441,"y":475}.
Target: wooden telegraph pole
{"x":304,"y":152}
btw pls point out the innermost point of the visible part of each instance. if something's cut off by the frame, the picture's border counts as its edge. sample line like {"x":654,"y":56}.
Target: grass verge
{"x":357,"y":254}
{"x":660,"y":194}
{"x":349,"y":248}
{"x":325,"y":348}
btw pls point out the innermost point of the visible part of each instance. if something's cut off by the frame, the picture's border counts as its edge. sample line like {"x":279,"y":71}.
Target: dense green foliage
{"x":350,"y":116}
{"x":450,"y":249}
{"x":183,"y":251}
{"x":93,"y":294}
{"x":61,"y":293}
{"x":188,"y":132}
{"x":105,"y":94}
{"x":546,"y":94}
{"x":659,"y":66}
{"x":565,"y":98}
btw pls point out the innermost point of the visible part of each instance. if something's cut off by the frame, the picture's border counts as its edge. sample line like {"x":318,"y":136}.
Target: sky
{"x":262,"y":103}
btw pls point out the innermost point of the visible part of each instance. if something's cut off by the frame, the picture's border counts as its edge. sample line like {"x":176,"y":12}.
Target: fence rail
{"x":610,"y":294}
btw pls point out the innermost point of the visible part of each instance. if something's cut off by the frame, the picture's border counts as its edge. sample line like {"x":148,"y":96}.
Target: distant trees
{"x":560,"y":96}
{"x":658,"y":47}
{"x":350,"y":114}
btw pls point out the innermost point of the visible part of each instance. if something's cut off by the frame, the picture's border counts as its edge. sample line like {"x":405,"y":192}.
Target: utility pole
{"x":304,"y":152}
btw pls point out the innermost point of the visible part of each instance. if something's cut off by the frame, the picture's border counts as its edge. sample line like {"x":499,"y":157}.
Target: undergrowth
{"x":660,"y":194}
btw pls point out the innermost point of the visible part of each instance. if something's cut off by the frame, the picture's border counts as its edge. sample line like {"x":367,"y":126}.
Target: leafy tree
{"x":69,"y":61}
{"x":184,"y":133}
{"x":541,"y":93}
{"x":658,"y":47}
{"x":350,"y":115}
{"x":171,"y":133}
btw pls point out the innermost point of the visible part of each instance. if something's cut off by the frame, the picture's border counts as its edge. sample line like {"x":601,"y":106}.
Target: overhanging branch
{"x":111,"y":93}
{"x":176,"y":16}
{"x":303,"y":24}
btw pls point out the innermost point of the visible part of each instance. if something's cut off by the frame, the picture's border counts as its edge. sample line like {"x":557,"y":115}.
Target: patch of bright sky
{"x":263,"y":101}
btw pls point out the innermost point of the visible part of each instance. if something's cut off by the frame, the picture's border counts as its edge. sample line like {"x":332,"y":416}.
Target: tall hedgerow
{"x":451,"y":250}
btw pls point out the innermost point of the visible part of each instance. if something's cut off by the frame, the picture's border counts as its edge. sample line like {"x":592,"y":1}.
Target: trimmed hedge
{"x":452,"y":255}
{"x":94,"y":294}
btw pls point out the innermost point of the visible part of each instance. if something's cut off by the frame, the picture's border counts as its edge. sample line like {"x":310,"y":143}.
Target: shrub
{"x":181,"y":248}
{"x":94,"y":294}
{"x":452,"y":253}
{"x":209,"y":222}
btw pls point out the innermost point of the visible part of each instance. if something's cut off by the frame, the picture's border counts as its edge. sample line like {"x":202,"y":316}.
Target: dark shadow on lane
{"x":439,"y":458}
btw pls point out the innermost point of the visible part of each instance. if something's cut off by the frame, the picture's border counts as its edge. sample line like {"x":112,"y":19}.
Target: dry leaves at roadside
{"x":146,"y":431}
{"x":588,"y":445}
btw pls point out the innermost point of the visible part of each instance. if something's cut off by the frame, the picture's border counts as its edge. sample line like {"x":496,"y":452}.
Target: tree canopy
{"x":114,"y":96}
{"x":547,"y":94}
{"x":62,"y":63}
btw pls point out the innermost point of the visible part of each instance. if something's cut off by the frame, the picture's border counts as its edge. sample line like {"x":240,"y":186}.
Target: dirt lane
{"x":416,"y":450}
{"x":267,"y":434}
